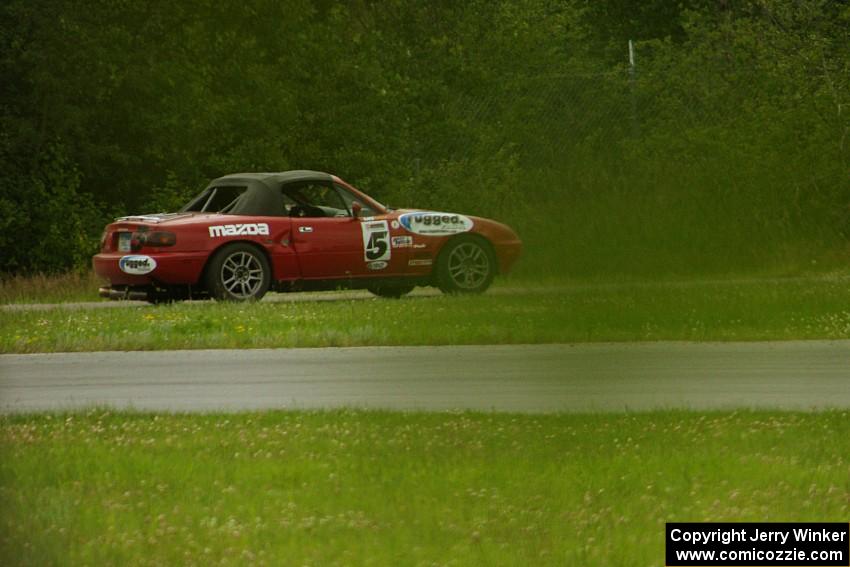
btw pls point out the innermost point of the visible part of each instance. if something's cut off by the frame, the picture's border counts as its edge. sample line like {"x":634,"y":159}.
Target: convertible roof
{"x":262,"y":195}
{"x":276,"y":178}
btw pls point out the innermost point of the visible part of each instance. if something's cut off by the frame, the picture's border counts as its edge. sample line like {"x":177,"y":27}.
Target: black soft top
{"x":274,"y":179}
{"x":262,"y":194}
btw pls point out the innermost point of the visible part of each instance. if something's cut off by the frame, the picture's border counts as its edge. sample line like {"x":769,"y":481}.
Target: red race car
{"x":247,"y":233}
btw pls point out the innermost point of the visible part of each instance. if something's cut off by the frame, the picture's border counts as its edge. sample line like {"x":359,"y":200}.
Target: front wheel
{"x":238,"y":272}
{"x":466,"y":265}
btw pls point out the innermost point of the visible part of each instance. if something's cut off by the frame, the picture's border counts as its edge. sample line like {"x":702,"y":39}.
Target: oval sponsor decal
{"x":430,"y":223}
{"x":380,"y":265}
{"x":137,"y":265}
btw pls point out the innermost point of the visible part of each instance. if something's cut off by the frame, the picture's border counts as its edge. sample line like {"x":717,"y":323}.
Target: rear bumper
{"x":175,"y":268}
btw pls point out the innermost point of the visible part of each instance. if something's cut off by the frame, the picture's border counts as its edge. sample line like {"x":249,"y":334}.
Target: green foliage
{"x":727,"y":148}
{"x":46,"y":225}
{"x":171,"y":196}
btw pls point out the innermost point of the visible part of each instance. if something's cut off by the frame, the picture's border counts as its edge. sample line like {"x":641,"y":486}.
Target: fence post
{"x":632,"y":87}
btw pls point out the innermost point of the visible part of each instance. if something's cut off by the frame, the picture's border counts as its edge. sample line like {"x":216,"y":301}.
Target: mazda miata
{"x":248,"y":233}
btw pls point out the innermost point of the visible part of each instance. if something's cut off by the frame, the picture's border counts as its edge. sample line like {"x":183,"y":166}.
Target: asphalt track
{"x":526,"y":378}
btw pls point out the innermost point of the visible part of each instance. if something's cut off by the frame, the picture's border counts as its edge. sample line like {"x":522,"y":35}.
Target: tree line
{"x":724,"y":147}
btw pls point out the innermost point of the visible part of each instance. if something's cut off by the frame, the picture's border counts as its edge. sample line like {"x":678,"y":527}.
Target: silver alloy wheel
{"x":242,"y":275}
{"x":468,"y":265}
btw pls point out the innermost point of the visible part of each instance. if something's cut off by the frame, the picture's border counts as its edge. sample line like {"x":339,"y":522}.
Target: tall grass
{"x":653,"y":219}
{"x":50,"y":288}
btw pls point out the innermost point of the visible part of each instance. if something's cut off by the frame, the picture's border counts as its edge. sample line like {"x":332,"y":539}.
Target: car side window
{"x":313,"y":199}
{"x":348,"y":197}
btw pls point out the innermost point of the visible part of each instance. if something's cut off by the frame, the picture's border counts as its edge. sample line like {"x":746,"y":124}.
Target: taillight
{"x":160,"y":238}
{"x":152,"y":239}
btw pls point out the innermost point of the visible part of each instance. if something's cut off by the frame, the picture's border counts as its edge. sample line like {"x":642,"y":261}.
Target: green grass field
{"x":382,"y":488}
{"x":394,"y":488}
{"x":769,"y":309}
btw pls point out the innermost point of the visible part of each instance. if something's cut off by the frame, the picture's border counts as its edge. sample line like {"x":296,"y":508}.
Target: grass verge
{"x":699,"y":311}
{"x":41,"y":288}
{"x":386,"y":488}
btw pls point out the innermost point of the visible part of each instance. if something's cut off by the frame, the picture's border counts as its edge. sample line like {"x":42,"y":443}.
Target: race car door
{"x":329,"y":241}
{"x":326,"y":238}
{"x":385,"y":244}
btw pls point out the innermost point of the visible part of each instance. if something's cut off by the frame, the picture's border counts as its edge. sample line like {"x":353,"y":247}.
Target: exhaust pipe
{"x":122,"y":294}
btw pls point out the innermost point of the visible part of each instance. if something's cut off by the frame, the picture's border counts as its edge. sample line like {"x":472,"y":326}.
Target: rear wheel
{"x":392,"y":291}
{"x":465,"y":265}
{"x":238,"y":272}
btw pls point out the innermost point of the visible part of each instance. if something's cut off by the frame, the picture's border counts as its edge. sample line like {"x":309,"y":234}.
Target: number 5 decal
{"x":376,"y":241}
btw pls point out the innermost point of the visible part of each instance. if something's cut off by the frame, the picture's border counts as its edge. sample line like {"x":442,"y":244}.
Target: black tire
{"x":465,"y":265}
{"x":238,"y":272}
{"x":391,"y":291}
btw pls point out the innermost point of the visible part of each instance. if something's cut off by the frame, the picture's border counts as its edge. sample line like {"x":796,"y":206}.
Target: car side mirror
{"x":356,"y":208}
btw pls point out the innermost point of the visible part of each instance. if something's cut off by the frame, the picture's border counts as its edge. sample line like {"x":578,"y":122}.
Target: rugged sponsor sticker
{"x":249,"y":229}
{"x":137,"y":265}
{"x":380,"y":265}
{"x":425,"y":262}
{"x":430,"y":223}
{"x":402,"y":241}
{"x":376,"y":241}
